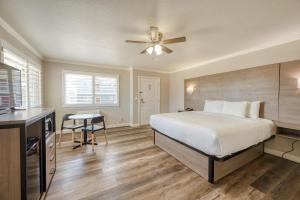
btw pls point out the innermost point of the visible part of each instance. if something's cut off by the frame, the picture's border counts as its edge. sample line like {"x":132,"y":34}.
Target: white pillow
{"x":213,"y":106}
{"x":235,"y":108}
{"x":253,"y":109}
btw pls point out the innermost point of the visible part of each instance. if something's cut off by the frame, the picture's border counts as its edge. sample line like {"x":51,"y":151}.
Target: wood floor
{"x":131,"y":167}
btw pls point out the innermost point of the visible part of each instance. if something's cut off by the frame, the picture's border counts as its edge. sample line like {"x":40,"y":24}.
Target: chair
{"x":73,"y":126}
{"x":93,"y":128}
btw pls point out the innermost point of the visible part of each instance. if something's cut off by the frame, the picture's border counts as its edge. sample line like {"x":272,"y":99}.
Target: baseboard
{"x":279,"y":154}
{"x":118,"y":125}
{"x":134,"y":125}
{"x":122,"y":125}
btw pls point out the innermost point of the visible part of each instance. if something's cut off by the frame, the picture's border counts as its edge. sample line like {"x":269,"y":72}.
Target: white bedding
{"x":213,"y":133}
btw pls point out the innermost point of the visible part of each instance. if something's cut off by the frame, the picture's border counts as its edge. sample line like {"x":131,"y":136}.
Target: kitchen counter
{"x":27,"y":116}
{"x":28,"y":149}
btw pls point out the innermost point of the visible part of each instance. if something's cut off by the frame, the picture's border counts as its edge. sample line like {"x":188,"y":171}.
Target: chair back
{"x":65,"y":118}
{"x":98,"y":120}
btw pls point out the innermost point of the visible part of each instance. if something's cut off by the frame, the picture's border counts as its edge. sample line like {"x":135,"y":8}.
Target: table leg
{"x":85,"y":131}
{"x":85,"y":138}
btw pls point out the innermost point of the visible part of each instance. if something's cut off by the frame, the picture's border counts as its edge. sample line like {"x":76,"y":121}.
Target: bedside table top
{"x":287,"y":125}
{"x":185,"y":110}
{"x":287,"y":130}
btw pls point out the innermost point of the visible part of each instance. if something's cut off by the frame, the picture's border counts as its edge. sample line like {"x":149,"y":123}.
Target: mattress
{"x":213,"y":133}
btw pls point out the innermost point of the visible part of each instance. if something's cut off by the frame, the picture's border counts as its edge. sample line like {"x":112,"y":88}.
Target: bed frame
{"x":210,"y":167}
{"x":254,"y":84}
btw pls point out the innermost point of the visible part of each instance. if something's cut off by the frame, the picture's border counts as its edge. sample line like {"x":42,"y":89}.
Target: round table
{"x":84,"y":117}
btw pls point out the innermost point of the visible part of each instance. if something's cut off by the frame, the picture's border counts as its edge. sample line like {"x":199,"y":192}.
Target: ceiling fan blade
{"x":134,"y":41}
{"x":144,"y":51}
{"x":166,"y":49}
{"x":174,"y":40}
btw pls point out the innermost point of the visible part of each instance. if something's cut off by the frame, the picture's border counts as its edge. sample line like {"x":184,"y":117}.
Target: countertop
{"x":24,"y":116}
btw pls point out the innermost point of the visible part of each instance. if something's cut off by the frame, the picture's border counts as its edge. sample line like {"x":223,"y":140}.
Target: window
{"x":90,"y":89}
{"x":30,"y":79}
{"x":78,"y":89}
{"x":17,"y":62}
{"x":4,"y":89}
{"x":106,"y":90}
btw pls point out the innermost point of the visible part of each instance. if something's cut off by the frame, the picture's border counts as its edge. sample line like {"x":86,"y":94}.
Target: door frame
{"x":139,"y":95}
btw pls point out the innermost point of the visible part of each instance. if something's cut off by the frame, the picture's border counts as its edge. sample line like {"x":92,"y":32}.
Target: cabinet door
{"x":10,"y":174}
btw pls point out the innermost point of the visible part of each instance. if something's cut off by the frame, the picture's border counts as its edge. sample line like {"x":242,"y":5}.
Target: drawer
{"x":50,"y":143}
{"x":50,"y":166}
{"x":50,"y":158}
{"x":49,"y":176}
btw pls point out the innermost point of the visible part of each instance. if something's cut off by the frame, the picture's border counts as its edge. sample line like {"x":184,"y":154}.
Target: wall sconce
{"x":190,"y":90}
{"x":298,"y":84}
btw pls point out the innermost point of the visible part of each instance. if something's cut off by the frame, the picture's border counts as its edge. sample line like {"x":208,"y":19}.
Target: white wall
{"x":12,"y":41}
{"x":124,"y":114}
{"x":53,"y":92}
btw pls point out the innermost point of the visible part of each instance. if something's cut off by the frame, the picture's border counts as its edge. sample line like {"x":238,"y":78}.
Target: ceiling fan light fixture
{"x":149,"y":50}
{"x":156,"y":44}
{"x":158,"y":49}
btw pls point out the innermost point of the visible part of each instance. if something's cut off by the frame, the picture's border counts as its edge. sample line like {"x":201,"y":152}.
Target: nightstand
{"x":287,"y":130}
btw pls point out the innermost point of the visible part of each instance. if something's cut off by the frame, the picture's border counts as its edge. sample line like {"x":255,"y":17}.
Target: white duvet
{"x":213,"y":133}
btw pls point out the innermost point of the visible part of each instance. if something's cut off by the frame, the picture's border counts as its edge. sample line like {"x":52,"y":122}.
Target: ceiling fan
{"x":157,"y":44}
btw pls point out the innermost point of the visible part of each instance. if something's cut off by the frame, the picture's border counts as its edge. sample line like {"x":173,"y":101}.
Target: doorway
{"x":149,"y":98}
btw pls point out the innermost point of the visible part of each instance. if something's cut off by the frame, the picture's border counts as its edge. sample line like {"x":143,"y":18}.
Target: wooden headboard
{"x":289,"y":96}
{"x":259,"y":83}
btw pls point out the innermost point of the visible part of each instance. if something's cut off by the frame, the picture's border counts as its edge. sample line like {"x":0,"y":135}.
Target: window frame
{"x":92,"y":105}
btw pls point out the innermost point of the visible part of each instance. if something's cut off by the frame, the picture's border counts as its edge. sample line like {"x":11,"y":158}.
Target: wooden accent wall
{"x":259,"y":83}
{"x":289,"y":95}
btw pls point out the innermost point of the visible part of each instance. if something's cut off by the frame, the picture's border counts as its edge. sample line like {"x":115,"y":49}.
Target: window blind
{"x":78,"y":89}
{"x":18,"y":62}
{"x":30,"y":94}
{"x":34,"y":86}
{"x":106,"y":90}
{"x":91,"y":89}
{"x":4,"y":88}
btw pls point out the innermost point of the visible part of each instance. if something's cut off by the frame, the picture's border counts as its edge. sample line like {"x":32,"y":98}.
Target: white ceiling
{"x":94,"y":31}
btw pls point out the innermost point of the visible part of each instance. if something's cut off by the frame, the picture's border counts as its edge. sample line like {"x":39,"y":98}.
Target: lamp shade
{"x":157,"y":49}
{"x":150,"y":50}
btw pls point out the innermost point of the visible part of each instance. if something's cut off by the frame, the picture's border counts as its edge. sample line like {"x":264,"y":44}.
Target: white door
{"x":149,"y":98}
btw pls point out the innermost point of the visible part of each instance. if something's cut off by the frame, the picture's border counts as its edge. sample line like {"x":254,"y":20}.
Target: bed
{"x":211,"y":144}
